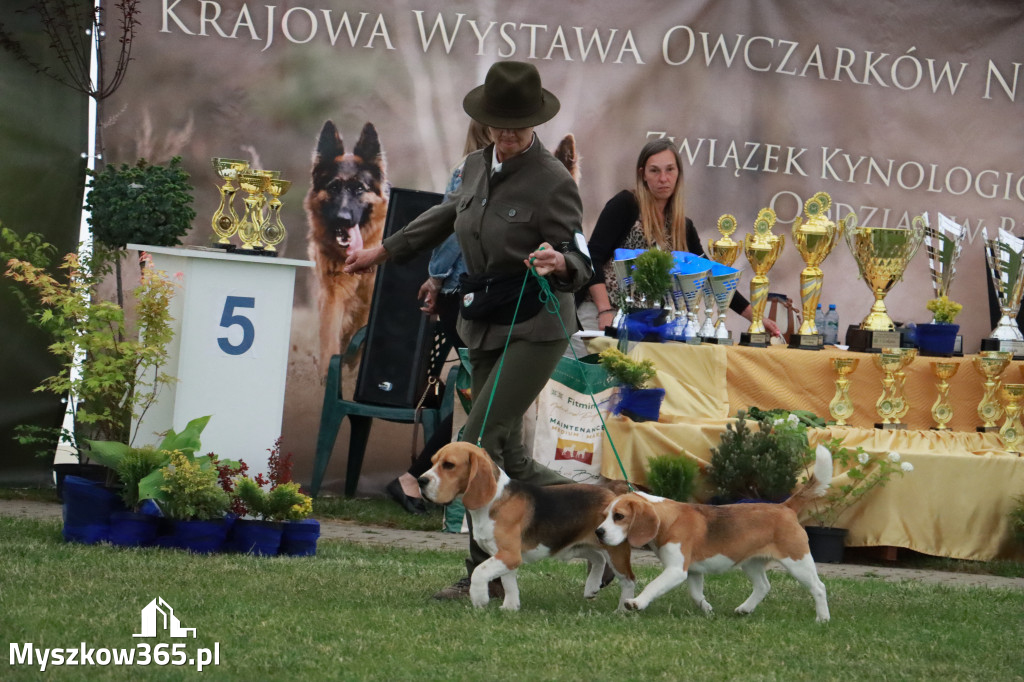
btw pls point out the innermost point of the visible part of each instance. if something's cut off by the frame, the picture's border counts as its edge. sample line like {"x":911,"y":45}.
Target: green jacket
{"x":498,"y":221}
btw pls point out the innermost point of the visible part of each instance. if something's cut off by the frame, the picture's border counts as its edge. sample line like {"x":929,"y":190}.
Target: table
{"x":955,"y":503}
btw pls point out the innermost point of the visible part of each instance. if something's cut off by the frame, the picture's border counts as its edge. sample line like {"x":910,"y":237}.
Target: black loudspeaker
{"x":393,"y":371}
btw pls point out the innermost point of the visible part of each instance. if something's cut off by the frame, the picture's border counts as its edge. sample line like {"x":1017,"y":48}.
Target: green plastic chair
{"x":361,"y":415}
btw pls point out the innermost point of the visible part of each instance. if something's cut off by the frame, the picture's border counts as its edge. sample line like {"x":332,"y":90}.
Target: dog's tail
{"x":817,"y":484}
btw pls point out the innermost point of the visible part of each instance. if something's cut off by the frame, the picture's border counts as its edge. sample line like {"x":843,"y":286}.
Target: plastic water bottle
{"x":832,"y":325}
{"x":819,"y":320}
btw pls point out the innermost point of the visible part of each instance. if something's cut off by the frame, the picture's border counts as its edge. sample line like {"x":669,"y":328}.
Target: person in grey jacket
{"x":517,"y":206}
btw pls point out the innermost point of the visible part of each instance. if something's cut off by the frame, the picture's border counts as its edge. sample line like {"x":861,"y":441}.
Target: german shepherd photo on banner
{"x":346,"y":208}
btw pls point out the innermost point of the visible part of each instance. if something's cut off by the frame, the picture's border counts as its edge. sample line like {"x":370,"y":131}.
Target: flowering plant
{"x":192,"y":489}
{"x":625,"y":370}
{"x":863,"y":473}
{"x":283,"y":500}
{"x":944,"y":310}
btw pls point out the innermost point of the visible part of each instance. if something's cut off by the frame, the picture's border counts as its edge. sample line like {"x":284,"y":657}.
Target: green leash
{"x":551,"y":304}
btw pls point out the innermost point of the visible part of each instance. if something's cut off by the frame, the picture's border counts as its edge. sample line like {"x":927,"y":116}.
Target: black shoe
{"x":413,"y":505}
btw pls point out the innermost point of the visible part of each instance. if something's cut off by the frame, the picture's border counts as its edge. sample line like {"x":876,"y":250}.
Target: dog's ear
{"x":482,"y":483}
{"x":644,"y":523}
{"x":368,"y":145}
{"x":566,"y":153}
{"x":330,"y":144}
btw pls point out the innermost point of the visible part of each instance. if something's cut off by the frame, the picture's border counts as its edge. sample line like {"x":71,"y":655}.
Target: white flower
{"x":894,"y":457}
{"x":863,"y":457}
{"x":907,"y":466}
{"x":778,"y":422}
{"x":793,"y":419}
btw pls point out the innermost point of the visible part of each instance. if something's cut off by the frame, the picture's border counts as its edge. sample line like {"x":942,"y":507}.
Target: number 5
{"x":228,"y":318}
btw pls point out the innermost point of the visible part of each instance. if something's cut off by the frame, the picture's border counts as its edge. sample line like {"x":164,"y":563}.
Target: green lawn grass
{"x":365,"y":613}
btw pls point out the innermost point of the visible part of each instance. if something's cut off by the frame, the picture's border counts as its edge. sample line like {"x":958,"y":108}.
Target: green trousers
{"x":525,"y":371}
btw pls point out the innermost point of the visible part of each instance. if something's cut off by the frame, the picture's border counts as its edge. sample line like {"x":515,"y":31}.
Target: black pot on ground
{"x":827,"y":543}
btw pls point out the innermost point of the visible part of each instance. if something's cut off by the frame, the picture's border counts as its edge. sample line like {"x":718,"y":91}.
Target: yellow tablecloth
{"x":955,"y":503}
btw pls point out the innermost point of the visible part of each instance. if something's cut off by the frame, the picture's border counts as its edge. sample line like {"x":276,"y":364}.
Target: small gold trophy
{"x":841,"y":407}
{"x":273,"y":230}
{"x":814,"y":238}
{"x":720,"y":287}
{"x":254,"y":183}
{"x":889,"y":403}
{"x":909,"y":354}
{"x":990,"y":364}
{"x":882,"y":255}
{"x":942,"y":410}
{"x":762,"y":249}
{"x":1011,"y":433}
{"x":225,"y":220}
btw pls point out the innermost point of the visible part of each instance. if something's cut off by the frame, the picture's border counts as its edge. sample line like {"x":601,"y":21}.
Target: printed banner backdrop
{"x":894,"y":108}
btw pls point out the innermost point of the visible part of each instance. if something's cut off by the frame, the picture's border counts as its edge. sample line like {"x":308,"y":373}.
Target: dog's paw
{"x":743,"y":610}
{"x":588,"y":594}
{"x":632,"y":605}
{"x":705,"y":607}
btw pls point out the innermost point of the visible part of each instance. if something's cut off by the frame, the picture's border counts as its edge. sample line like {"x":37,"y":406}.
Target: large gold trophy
{"x":814,"y":238}
{"x":990,"y":364}
{"x":762,"y":249}
{"x":1004,"y":257}
{"x":882,"y":255}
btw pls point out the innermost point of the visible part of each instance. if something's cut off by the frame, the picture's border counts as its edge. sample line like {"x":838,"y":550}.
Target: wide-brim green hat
{"x":511,"y":97}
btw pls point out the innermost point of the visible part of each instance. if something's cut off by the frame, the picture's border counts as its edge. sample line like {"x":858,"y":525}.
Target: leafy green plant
{"x":1017,"y":521}
{"x":139,"y":485}
{"x":944,"y":310}
{"x":672,"y":476}
{"x":863,"y":473}
{"x":652,"y":274}
{"x":192,"y":490}
{"x":120,"y":369}
{"x":759,"y":464}
{"x":625,"y":370}
{"x":137,"y":464}
{"x":283,"y":502}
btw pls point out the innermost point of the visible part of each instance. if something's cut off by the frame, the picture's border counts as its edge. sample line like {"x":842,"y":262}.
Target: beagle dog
{"x":694,"y":539}
{"x":519,"y":523}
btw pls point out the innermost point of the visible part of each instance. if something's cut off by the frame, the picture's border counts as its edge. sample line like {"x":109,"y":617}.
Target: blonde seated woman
{"x":651,"y":215}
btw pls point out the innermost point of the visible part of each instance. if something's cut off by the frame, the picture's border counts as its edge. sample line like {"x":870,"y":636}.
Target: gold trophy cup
{"x":254,"y":183}
{"x":889,"y":403}
{"x":942,"y":410}
{"x":225,"y":220}
{"x":882,"y":255}
{"x":990,"y":364}
{"x":719,"y":288}
{"x":909,"y":354}
{"x":1011,"y":433}
{"x":762,"y":249}
{"x":814,"y":238}
{"x":273,"y":231}
{"x":841,"y":407}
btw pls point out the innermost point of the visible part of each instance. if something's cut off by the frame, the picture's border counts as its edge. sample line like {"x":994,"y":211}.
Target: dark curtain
{"x":43,"y":128}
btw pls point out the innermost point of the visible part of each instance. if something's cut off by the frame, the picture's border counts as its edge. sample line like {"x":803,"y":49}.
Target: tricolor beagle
{"x":520,"y":523}
{"x":694,"y":539}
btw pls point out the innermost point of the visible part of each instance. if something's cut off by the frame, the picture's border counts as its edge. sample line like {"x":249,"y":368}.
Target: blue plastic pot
{"x":133,"y":529}
{"x":639,"y":404}
{"x":253,"y":536}
{"x":937,"y":339}
{"x":198,"y":537}
{"x":299,"y":538}
{"x":87,"y":508}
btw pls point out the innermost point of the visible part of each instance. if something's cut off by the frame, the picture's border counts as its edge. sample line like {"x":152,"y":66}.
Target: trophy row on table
{"x":882,"y":256}
{"x":1001,"y":401}
{"x":259,"y":229}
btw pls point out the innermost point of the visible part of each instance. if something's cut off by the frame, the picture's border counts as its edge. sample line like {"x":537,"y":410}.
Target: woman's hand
{"x":364,"y":260}
{"x":428,"y":294}
{"x":546,"y":260}
{"x":605,"y":319}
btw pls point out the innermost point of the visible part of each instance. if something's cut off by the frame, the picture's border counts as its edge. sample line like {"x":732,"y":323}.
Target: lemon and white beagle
{"x":519,"y":523}
{"x":694,"y":539}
